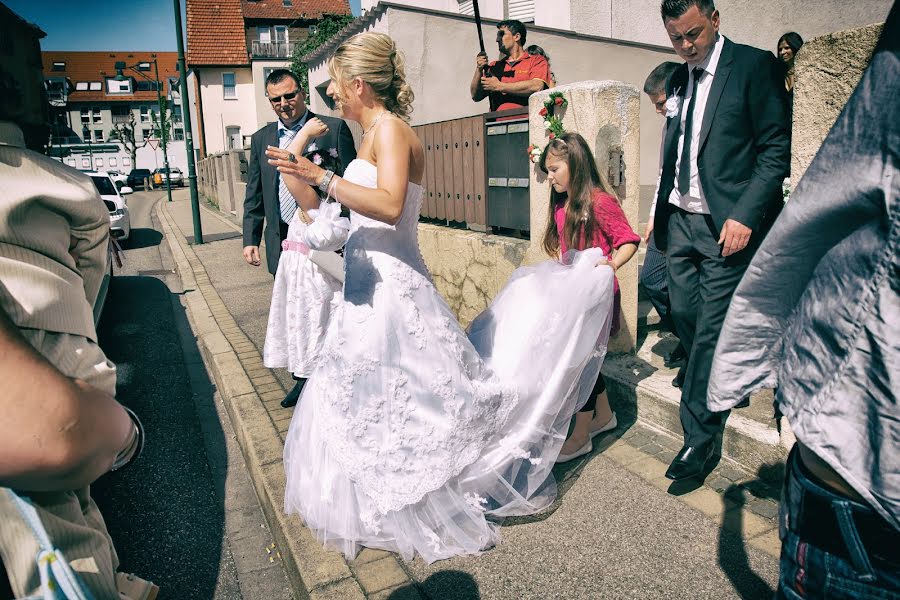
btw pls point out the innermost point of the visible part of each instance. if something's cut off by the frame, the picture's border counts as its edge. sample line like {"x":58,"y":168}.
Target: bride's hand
{"x":296,"y":166}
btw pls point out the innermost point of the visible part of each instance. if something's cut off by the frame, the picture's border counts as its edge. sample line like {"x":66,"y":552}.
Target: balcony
{"x":271,"y":49}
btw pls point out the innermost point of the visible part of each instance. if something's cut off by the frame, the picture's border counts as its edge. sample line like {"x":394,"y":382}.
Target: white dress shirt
{"x":695,"y":201}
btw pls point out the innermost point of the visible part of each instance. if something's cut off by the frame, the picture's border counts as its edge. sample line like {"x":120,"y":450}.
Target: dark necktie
{"x":684,"y":166}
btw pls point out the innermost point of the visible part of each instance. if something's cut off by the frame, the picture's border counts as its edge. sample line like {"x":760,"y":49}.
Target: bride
{"x":411,"y":435}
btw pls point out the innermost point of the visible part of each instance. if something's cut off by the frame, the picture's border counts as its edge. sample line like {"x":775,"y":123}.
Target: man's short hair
{"x":658,"y":77}
{"x":672,"y":9}
{"x":279,"y":75}
{"x":514,"y":27}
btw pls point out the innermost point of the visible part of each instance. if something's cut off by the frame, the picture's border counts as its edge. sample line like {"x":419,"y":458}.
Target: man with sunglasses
{"x":267,"y":199}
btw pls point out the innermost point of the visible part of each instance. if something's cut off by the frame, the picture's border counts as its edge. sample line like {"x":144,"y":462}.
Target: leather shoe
{"x":293,"y":395}
{"x":679,"y":379}
{"x":675,"y":356}
{"x":690,"y":462}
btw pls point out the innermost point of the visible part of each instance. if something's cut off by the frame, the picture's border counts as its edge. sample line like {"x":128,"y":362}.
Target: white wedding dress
{"x":414,"y":437}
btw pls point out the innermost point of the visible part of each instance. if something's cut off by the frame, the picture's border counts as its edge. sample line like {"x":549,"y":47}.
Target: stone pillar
{"x":826,"y":72}
{"x":607,"y":115}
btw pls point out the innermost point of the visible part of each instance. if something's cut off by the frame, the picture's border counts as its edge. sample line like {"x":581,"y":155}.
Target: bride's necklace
{"x":375,"y":122}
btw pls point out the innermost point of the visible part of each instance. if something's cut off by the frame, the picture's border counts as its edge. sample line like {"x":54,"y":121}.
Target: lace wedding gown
{"x":414,"y":437}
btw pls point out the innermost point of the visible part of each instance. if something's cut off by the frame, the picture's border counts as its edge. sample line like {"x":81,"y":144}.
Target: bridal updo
{"x":374,"y":58}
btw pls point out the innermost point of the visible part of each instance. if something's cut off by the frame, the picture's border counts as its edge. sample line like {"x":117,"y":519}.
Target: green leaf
{"x":326,"y":28}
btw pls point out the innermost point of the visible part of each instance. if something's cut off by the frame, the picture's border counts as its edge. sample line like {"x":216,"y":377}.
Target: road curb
{"x":313,"y":571}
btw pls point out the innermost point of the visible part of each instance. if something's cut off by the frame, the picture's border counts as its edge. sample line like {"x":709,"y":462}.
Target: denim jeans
{"x":808,"y":571}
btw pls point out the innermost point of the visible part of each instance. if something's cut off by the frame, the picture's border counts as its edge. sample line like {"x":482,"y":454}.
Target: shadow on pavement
{"x":446,"y":585}
{"x":143,"y":238}
{"x":165,"y":512}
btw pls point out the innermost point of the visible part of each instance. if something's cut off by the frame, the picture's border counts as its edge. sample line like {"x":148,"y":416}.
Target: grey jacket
{"x":818,"y":312}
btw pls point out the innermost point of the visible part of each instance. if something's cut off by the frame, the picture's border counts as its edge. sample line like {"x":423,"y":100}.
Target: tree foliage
{"x":325,"y":30}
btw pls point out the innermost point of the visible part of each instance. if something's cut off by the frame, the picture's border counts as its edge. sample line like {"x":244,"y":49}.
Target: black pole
{"x":478,"y":25}
{"x":162,"y":131}
{"x":188,"y":130}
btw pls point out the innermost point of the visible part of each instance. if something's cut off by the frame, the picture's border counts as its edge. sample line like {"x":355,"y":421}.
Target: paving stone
{"x":380,"y":575}
{"x":270,"y":387}
{"x":667,"y":456}
{"x":652,"y":448}
{"x":639,"y":440}
{"x":745,"y":523}
{"x":763,"y":508}
{"x":369,"y":555}
{"x":345,"y":589}
{"x":719,"y":483}
{"x":768,"y":543}
{"x":404,"y":592}
{"x":624,"y":454}
{"x":708,"y":501}
{"x":729,"y":472}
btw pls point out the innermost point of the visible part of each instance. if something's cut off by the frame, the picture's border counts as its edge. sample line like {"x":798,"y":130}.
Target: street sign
{"x":154,"y":143}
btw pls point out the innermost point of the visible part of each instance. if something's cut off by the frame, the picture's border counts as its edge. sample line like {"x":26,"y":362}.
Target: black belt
{"x":818,"y":525}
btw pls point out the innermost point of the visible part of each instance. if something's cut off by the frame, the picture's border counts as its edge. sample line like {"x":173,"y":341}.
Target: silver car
{"x":119,"y":219}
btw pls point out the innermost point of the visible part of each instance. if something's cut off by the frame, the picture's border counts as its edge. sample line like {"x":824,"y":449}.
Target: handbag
{"x":58,"y":580}
{"x":330,"y":262}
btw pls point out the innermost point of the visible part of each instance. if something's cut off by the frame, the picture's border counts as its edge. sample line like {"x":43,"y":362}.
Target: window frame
{"x":226,"y":87}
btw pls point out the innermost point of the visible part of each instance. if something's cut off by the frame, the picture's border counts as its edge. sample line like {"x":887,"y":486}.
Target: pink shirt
{"x":612,"y":230}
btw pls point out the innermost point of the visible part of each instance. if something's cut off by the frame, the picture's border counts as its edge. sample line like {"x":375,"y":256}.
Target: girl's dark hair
{"x":584,"y":178}
{"x":793,"y":39}
{"x":534,"y":49}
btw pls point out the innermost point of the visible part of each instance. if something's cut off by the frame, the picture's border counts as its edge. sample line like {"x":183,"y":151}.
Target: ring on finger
{"x":291,"y":157}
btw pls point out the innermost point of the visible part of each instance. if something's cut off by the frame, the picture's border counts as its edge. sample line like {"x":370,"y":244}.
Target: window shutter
{"x":466,"y":7}
{"x":521,"y":10}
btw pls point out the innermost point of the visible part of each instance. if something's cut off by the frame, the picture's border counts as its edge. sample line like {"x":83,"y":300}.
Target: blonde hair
{"x":374,"y":58}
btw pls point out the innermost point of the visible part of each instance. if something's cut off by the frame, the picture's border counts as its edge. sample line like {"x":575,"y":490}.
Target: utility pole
{"x":188,"y":132}
{"x":164,"y":134}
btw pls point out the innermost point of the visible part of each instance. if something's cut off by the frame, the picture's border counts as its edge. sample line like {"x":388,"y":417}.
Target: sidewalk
{"x":618,"y":530}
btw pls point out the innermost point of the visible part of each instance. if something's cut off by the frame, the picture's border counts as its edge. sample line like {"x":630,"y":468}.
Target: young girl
{"x":304,"y":294}
{"x":585,"y":213}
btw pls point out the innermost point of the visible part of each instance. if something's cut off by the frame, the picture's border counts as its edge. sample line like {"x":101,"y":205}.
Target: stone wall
{"x":827,"y":70}
{"x":222,"y":180}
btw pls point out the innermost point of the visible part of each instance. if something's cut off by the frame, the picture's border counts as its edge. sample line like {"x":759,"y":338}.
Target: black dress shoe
{"x":690,"y":462}
{"x":679,"y":379}
{"x":293,"y":395}
{"x":675,"y":356}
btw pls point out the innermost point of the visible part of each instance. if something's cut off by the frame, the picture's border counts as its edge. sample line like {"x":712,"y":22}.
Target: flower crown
{"x":552,"y":122}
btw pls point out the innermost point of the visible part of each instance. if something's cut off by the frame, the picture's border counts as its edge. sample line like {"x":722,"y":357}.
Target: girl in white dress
{"x":304,"y":295}
{"x":412,"y":436}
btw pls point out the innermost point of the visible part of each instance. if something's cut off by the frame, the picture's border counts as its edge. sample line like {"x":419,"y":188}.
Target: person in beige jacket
{"x":60,"y":427}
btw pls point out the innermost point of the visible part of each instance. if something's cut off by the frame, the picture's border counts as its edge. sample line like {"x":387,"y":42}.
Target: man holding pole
{"x":509,"y":81}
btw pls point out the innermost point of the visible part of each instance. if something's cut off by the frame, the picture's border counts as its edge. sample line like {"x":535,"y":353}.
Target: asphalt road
{"x":184,"y":515}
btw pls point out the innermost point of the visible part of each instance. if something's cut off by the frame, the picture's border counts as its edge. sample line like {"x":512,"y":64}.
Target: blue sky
{"x":106,"y":24}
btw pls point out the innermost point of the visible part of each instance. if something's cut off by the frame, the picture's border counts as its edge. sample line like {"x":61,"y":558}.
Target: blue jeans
{"x":807,"y":571}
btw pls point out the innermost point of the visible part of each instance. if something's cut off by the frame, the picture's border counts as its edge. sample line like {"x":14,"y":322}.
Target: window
{"x":118,"y":87}
{"x":521,"y":10}
{"x":85,"y":163}
{"x":85,"y":116}
{"x":96,"y":115}
{"x":313,"y":30}
{"x":145,"y":86}
{"x":281,"y":34}
{"x":113,"y":162}
{"x":174,"y":89}
{"x":147,"y":133}
{"x":288,"y":2}
{"x":233,"y":138}
{"x":143,"y":66}
{"x":178,"y":135}
{"x":229,"y":86}
{"x":126,"y":161}
{"x":58,"y":66}
{"x":264,"y":35}
{"x":81,"y":86}
{"x":70,"y":161}
{"x":98,"y":135}
{"x":98,"y":162}
{"x":96,"y":86}
{"x":176,"y":113}
{"x":466,"y":7}
{"x":145,"y":114}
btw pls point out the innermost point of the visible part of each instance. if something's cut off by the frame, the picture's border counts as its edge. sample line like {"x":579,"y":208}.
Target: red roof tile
{"x":98,"y":66}
{"x":299,"y":9}
{"x":215,"y":33}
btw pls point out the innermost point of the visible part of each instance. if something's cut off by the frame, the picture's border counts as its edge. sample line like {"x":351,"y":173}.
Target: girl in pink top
{"x":585,"y":213}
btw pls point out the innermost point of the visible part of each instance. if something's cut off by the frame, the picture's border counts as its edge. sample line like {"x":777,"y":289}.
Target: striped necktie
{"x":287,"y":204}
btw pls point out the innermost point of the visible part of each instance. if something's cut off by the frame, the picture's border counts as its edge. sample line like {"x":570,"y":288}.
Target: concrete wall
{"x":827,"y":71}
{"x":442,"y":86}
{"x":222,"y":180}
{"x":219,"y":112}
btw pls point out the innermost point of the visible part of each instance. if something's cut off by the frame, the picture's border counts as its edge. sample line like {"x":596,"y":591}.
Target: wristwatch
{"x":326,"y":181}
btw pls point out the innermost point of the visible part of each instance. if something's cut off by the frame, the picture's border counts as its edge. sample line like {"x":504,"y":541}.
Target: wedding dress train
{"x":416,"y":437}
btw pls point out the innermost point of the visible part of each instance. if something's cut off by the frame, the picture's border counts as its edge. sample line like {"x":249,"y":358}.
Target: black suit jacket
{"x":261,"y":199}
{"x":744,"y":151}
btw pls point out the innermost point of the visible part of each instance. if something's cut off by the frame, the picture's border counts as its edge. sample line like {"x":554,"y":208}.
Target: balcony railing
{"x":271,"y":49}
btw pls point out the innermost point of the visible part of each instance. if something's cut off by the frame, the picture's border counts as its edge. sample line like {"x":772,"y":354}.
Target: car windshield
{"x":104,"y":186}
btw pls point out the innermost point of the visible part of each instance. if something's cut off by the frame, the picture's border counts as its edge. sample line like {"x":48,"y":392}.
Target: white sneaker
{"x":586,"y":449}
{"x":610,"y":425}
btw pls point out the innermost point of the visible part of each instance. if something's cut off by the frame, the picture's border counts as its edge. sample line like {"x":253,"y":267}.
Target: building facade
{"x":94,"y":97}
{"x":233,"y":45}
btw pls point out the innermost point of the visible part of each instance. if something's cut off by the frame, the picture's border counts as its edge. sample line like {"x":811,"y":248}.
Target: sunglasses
{"x":285,"y":97}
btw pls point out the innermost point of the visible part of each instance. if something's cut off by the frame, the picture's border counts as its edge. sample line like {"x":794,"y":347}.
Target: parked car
{"x":137,"y":177}
{"x":160,"y":175}
{"x":119,"y":219}
{"x":119,"y":178}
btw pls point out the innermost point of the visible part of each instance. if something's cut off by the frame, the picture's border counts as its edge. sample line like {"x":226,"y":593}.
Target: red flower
{"x":543,"y":112}
{"x":558,"y":100}
{"x":552,"y":136}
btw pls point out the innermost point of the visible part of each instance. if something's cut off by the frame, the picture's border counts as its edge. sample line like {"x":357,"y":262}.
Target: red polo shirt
{"x":527,"y":67}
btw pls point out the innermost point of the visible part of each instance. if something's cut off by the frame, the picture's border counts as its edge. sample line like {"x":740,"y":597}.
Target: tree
{"x":325,"y":30}
{"x":124,"y":132}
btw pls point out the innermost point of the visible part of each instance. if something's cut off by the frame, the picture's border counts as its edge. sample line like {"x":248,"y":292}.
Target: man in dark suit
{"x":725,"y":155}
{"x":267,"y":198}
